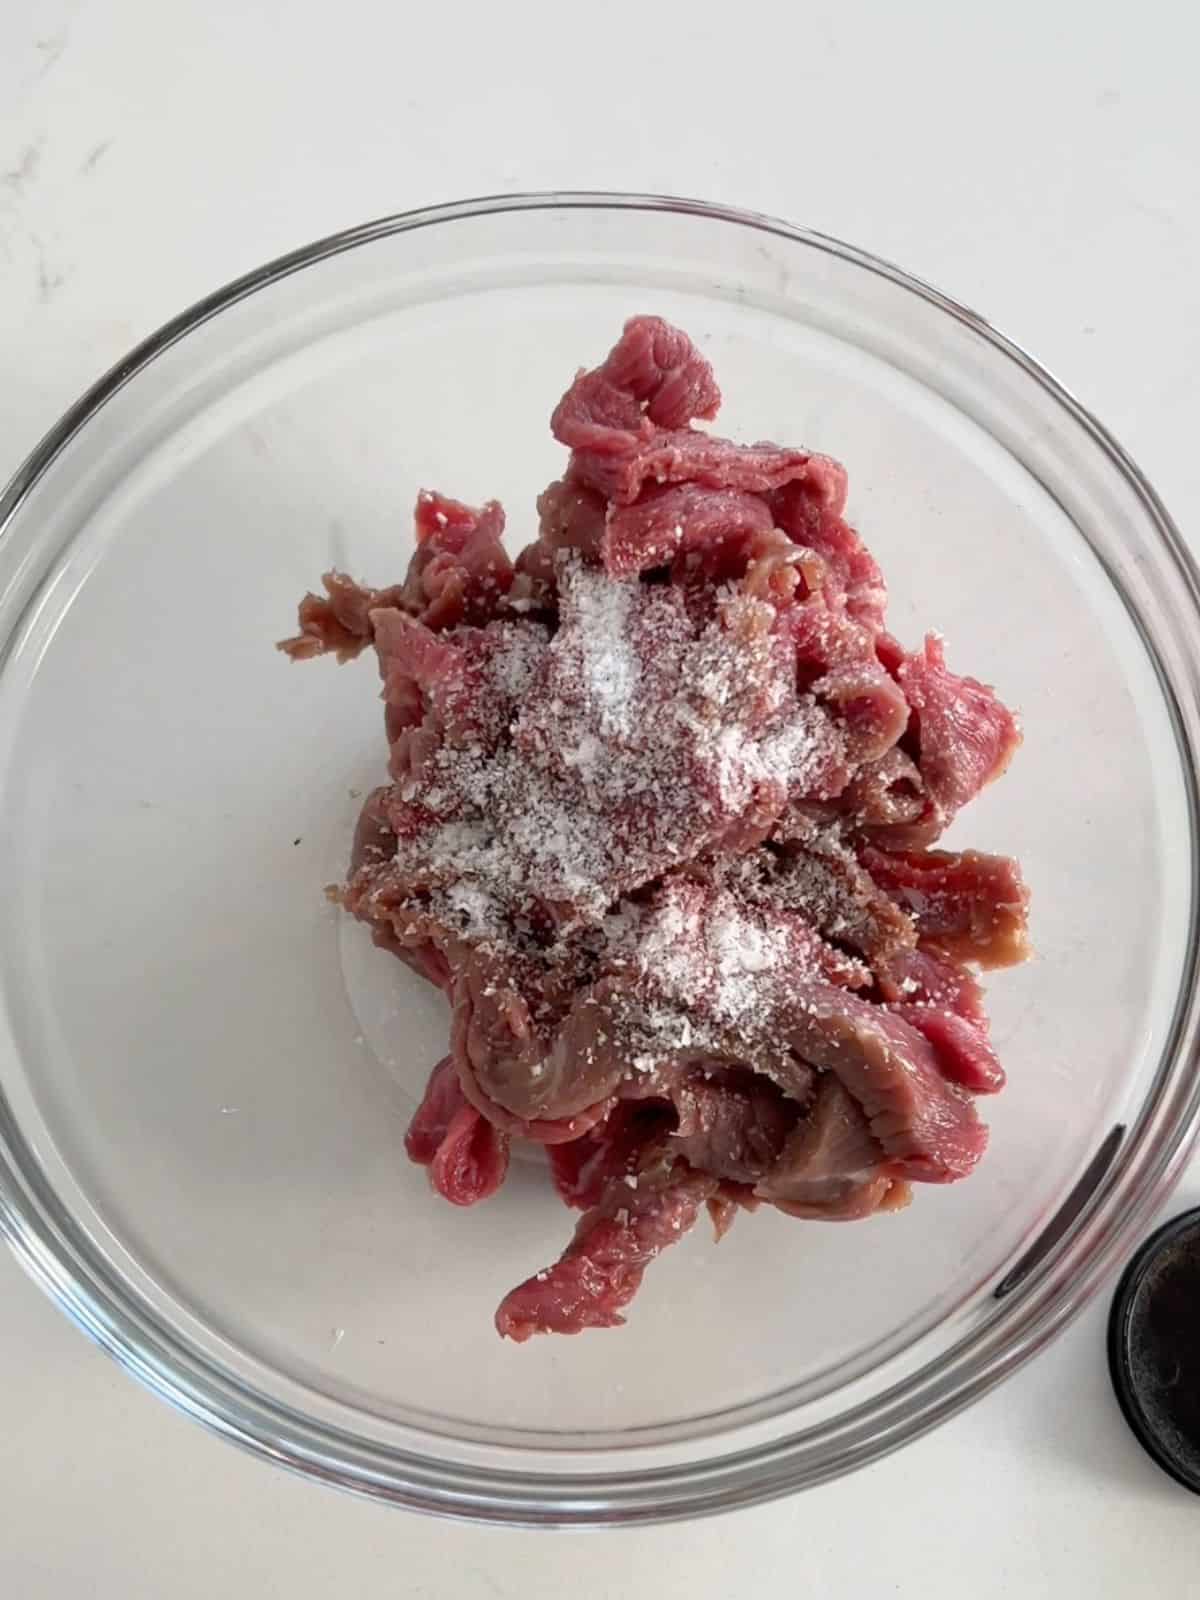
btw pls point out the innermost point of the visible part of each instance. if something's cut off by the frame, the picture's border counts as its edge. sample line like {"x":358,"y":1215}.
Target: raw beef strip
{"x":685,"y":455}
{"x":723,"y":1207}
{"x":467,"y":1157}
{"x":886,"y":794}
{"x":455,"y":690}
{"x":813,"y":519}
{"x":825,"y":637}
{"x":832,"y":1167}
{"x":339,"y":621}
{"x":549,"y":1084}
{"x":614,"y":1148}
{"x":812,"y":873}
{"x":724,"y":970}
{"x":471,"y":1161}
{"x":667,"y":522}
{"x":457,"y":571}
{"x":965,"y":735}
{"x":705,"y":953}
{"x":869,"y":706}
{"x":602,"y":1268}
{"x":460,"y":567}
{"x":972,"y":905}
{"x":653,"y":377}
{"x":929,"y":976}
{"x":939,"y":997}
{"x":423,"y":956}
{"x":433,"y":1116}
{"x":927,"y":1127}
{"x":766,"y":564}
{"x":571,"y":517}
{"x":626,"y":423}
{"x":637,"y":742}
{"x":374,"y":841}
{"x":964,"y":1053}
{"x":731,"y":1124}
{"x":890,"y":653}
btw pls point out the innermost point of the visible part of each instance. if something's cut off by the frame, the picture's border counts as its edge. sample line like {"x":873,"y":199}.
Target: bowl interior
{"x":214,"y":1070}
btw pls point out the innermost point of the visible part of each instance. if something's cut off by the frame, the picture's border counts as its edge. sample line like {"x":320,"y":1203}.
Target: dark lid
{"x":1154,"y":1347}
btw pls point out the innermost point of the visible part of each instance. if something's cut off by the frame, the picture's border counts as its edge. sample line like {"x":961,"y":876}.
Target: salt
{"x":594,"y":760}
{"x":610,"y":666}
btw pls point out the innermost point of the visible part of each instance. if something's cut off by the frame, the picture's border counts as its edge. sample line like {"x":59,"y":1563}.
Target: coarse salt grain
{"x":611,"y":668}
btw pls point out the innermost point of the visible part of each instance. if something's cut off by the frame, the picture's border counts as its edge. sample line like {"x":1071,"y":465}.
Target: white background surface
{"x":1041,"y":163}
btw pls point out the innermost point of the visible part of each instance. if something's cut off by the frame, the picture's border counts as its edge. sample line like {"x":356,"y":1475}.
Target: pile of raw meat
{"x":663,"y":791}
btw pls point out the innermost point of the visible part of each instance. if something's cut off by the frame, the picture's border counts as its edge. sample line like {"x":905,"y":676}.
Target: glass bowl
{"x":206,"y":1072}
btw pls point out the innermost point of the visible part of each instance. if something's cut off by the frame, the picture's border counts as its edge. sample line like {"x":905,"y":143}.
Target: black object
{"x":1154,"y":1347}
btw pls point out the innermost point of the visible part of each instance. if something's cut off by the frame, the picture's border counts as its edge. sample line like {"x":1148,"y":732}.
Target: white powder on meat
{"x":709,"y":970}
{"x":789,"y":755}
{"x":515,"y":660}
{"x":611,"y":669}
{"x":625,"y":744}
{"x":748,"y":959}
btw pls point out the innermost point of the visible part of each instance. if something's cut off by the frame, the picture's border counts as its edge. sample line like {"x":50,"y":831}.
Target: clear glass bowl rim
{"x":1118,"y":1199}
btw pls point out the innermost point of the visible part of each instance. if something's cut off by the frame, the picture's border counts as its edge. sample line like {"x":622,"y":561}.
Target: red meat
{"x":661,"y":798}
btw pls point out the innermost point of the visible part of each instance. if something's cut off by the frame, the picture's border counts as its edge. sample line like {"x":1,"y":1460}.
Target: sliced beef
{"x":531,"y":1075}
{"x":374,"y":841}
{"x":732,"y":1124}
{"x":827,"y":639}
{"x":930,"y":976}
{"x":723,"y":1207}
{"x":962,"y":1048}
{"x":614,"y":1148}
{"x":886,"y":795}
{"x":661,"y":799}
{"x":966,"y":737}
{"x":471,"y":1161}
{"x":632,"y":741}
{"x":452,"y":691}
{"x":832,"y":1167}
{"x":460,"y":568}
{"x":812,"y":873}
{"x":457,"y":574}
{"x":571,"y":517}
{"x":972,"y":905}
{"x":338,"y":622}
{"x":666,"y":522}
{"x":627,"y":424}
{"x":869,"y":706}
{"x":926,"y":1125}
{"x":602,"y":1268}
{"x":433,"y":1116}
{"x":766,"y":565}
{"x":423,"y":957}
{"x":653,"y":377}
{"x":809,"y":511}
{"x":467,"y":1157}
{"x":685,"y":455}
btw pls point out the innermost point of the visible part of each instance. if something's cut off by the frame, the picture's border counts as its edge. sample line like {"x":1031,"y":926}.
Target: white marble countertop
{"x":1039,"y":160}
